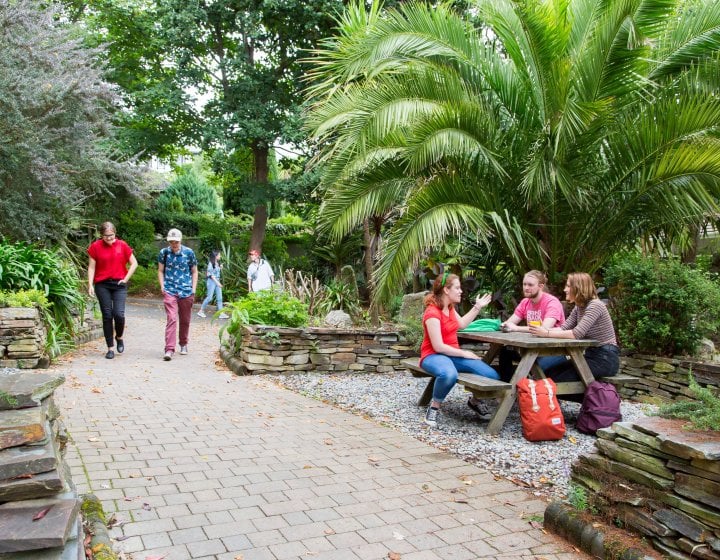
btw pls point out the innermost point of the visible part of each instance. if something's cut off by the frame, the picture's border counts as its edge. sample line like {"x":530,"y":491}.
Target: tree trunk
{"x":260,"y":156}
{"x":369,"y":268}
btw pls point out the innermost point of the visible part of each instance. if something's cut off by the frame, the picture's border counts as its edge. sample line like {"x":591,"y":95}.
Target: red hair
{"x":438,"y":289}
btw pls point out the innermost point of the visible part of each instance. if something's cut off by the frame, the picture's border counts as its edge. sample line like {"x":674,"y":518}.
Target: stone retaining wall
{"x":22,"y":338}
{"x":665,"y":378}
{"x":286,"y":350}
{"x":659,"y":480}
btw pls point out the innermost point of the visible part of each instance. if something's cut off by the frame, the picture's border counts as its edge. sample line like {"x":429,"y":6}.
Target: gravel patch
{"x":391,"y":399}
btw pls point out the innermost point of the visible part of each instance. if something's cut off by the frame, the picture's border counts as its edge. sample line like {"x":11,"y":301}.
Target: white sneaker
{"x":183,"y":350}
{"x":223,"y":316}
{"x":201,"y":313}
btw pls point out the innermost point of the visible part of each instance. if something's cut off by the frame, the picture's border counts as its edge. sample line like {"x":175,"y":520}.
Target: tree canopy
{"x":56,"y":147}
{"x":558,"y":130}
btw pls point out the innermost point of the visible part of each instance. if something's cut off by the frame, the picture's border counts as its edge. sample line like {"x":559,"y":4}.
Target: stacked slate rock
{"x":22,"y":338}
{"x":659,"y":480}
{"x":39,"y":506}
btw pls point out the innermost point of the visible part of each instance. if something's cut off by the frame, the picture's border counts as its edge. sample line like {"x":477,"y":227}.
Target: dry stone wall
{"x":659,"y":480}
{"x":665,"y":378}
{"x":39,"y":505}
{"x":286,"y":350}
{"x":22,"y":338}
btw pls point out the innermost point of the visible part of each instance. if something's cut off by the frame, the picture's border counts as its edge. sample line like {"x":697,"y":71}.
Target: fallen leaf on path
{"x":536,"y":525}
{"x":461,"y":501}
{"x":328,"y":442}
{"x":394,"y":556}
{"x":239,"y":557}
{"x":329,"y":532}
{"x":122,"y":538}
{"x":42,"y":513}
{"x":571,"y":439}
{"x":156,"y":557}
{"x":96,"y":390}
{"x":146,"y":506}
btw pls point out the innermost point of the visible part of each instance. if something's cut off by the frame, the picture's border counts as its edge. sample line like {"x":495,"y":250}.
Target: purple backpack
{"x":600,"y":408}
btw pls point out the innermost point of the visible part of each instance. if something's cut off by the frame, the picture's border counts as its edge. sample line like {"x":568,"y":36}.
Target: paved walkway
{"x":199,"y":463}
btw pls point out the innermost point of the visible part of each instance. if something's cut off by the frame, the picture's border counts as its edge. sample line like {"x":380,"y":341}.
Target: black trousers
{"x":111,"y":297}
{"x":603,"y":361}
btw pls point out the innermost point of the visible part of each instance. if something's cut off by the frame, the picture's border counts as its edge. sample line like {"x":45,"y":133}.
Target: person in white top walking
{"x":259,"y":274}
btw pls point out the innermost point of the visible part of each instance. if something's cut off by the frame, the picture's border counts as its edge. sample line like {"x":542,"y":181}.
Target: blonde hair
{"x":438,"y":289}
{"x":582,"y":287}
{"x":539,"y":276}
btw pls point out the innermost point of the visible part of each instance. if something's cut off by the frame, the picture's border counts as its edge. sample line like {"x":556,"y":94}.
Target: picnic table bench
{"x":530,"y":349}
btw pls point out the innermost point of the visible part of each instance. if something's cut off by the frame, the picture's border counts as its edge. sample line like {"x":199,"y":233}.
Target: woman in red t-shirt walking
{"x":108,"y":275}
{"x":440,"y":353}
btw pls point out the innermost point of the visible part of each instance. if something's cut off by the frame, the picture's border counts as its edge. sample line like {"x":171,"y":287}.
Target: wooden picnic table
{"x":530,"y":349}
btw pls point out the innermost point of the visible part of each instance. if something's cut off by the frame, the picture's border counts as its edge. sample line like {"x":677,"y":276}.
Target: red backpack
{"x":600,"y":408}
{"x":540,"y":411}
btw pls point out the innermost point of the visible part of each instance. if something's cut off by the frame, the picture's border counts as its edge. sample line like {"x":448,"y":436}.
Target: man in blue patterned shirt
{"x":178,"y":276}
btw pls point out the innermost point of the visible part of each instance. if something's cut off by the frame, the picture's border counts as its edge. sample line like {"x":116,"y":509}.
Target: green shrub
{"x":661,"y":306}
{"x":165,"y":221}
{"x":139,"y":234}
{"x":144,"y":282}
{"x":339,"y":295}
{"x":213,"y":233}
{"x":23,"y":298}
{"x":25,"y":267}
{"x":703,"y":412}
{"x":189,"y":193}
{"x":274,"y":308}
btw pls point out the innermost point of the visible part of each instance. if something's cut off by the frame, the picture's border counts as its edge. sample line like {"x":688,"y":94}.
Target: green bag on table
{"x":483,"y":325}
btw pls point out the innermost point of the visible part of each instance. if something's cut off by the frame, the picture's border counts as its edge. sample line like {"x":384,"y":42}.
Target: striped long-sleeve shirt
{"x":592,"y":321}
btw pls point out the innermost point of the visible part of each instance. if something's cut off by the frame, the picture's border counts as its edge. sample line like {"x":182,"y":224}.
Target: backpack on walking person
{"x":540,"y":413}
{"x":600,"y":408}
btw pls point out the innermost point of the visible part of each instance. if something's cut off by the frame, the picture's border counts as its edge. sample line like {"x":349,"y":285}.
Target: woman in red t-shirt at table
{"x":108,"y":275}
{"x":440,"y":353}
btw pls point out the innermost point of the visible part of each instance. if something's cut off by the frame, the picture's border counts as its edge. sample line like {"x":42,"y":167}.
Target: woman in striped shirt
{"x":589,"y":319}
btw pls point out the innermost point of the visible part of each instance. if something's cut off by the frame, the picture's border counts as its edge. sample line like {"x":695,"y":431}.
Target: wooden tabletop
{"x":525,"y":340}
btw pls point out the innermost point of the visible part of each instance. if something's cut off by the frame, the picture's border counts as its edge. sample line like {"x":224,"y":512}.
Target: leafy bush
{"x":703,"y":412}
{"x":213,"y":233}
{"x":139,"y":234}
{"x":339,"y":295}
{"x":145,"y":281}
{"x":24,"y":267}
{"x":661,"y":306}
{"x":274,"y":308}
{"x":165,"y":221}
{"x":195,"y":195}
{"x":23,"y":298}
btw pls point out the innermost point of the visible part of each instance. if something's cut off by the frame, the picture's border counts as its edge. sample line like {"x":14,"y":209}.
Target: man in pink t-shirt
{"x":537,"y":307}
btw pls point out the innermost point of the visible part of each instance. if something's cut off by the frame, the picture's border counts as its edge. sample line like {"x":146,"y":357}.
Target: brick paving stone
{"x":235,"y":466}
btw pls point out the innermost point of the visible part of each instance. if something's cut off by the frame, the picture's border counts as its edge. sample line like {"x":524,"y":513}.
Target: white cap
{"x":174,"y":235}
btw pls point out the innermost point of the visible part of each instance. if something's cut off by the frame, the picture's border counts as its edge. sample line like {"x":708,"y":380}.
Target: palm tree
{"x":562,"y":130}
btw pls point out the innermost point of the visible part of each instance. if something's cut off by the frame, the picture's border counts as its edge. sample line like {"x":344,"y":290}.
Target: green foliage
{"x":577,"y":497}
{"x":139,"y":233}
{"x":165,"y":221}
{"x":57,"y":150}
{"x":23,"y":298}
{"x":267,"y":307}
{"x":145,"y":281}
{"x":25,"y":267}
{"x":213,"y":232}
{"x":577,"y":129}
{"x":194,"y":194}
{"x":339,"y":295}
{"x":234,"y":272}
{"x":661,"y":306}
{"x":703,"y":412}
{"x":411,"y":329}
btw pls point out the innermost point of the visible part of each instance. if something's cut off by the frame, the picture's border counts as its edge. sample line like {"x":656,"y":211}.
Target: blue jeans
{"x":446,"y":368}
{"x":212,"y":288}
{"x":509,"y":356}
